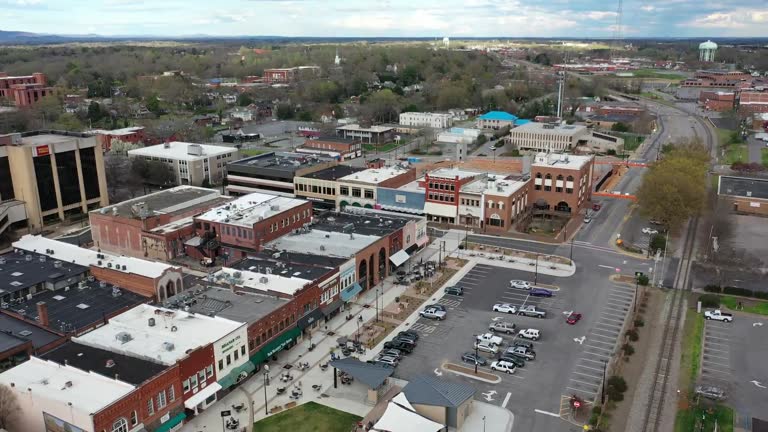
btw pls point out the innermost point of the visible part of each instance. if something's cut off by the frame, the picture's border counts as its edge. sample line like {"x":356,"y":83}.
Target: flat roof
{"x":262,"y":280}
{"x":88,"y":392}
{"x":87,"y":257}
{"x":320,"y":242}
{"x":249,"y":209}
{"x":452,"y":173}
{"x":743,"y":187}
{"x":332,"y":138}
{"x":358,"y":128}
{"x":285,"y":267}
{"x":168,"y":201}
{"x":222,"y":302}
{"x":375,"y":175}
{"x":20,"y":329}
{"x":35,"y":138}
{"x":414,"y":186}
{"x":495,"y":184}
{"x":334,"y":173}
{"x":549,"y":128}
{"x":174,"y":333}
{"x":560,"y":160}
{"x":300,"y":257}
{"x":361,"y":221}
{"x":106,"y":363}
{"x":20,"y":270}
{"x":178,"y":150}
{"x":79,"y":306}
{"x":285,"y":162}
{"x":116,"y":132}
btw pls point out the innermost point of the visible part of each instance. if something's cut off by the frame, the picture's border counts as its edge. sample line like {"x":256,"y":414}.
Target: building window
{"x":242,"y":350}
{"x":171,"y":394}
{"x":537,"y":187}
{"x":237,"y":355}
{"x":547,"y":188}
{"x":569,"y":178}
{"x":150,"y":407}
{"x":121,"y":425}
{"x":229,"y":360}
{"x":209,"y":371}
{"x":134,"y":418}
{"x":369,"y":193}
{"x":193,"y":381}
{"x":356,"y":192}
{"x":201,"y":375}
{"x":161,"y":401}
{"x":344,"y":190}
{"x":558,"y":189}
{"x":221,"y":364}
{"x":185,"y":385}
{"x":569,"y":190}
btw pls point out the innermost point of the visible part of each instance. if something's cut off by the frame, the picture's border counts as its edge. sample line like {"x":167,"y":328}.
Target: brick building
{"x":717,"y":100}
{"x":751,"y":102}
{"x":23,"y":91}
{"x":321,"y":187}
{"x":442,"y":189}
{"x":747,"y":195}
{"x":561,"y":183}
{"x":279,"y":75}
{"x":338,"y":147}
{"x":134,"y":135}
{"x":153,"y":226}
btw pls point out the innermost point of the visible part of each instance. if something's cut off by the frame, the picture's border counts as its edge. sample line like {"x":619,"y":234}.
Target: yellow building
{"x":58,"y":175}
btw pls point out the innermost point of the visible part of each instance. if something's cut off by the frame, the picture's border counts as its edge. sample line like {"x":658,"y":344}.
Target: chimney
{"x":42,"y":313}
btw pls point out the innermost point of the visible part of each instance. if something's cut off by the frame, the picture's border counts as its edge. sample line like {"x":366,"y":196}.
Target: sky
{"x":388,"y":18}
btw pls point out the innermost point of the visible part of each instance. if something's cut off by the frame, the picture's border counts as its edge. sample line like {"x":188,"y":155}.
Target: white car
{"x":432,"y":313}
{"x":503,"y":366}
{"x":520,"y":284}
{"x":531,"y":334}
{"x":505,"y":308}
{"x":487,"y":347}
{"x":490,"y":337}
{"x":650,"y":231}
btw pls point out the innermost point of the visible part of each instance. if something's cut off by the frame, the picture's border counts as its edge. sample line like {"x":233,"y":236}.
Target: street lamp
{"x":536,"y":273}
{"x":266,"y":383}
{"x":477,"y":357}
{"x":602,"y":395}
{"x":377,"y":304}
{"x":483,"y":423}
{"x":467,"y":217}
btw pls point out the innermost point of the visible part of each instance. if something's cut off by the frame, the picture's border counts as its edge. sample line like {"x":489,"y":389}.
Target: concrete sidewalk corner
{"x":497,"y":419}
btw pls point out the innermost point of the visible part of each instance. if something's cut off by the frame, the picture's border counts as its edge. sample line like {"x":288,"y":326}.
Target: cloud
{"x":734,"y":19}
{"x":599,"y":15}
{"x":648,"y":8}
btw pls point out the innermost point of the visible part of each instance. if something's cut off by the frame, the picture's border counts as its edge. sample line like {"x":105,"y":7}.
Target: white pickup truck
{"x":717,"y":315}
{"x":490,"y":338}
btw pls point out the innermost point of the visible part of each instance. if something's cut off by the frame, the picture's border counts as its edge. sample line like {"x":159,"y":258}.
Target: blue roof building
{"x":520,"y":122}
{"x":498,"y":116}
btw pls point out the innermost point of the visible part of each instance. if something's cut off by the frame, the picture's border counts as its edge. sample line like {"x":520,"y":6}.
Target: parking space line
{"x":591,"y":376}
{"x":706,"y":348}
{"x":594,"y":335}
{"x":582,"y":390}
{"x":710,"y":370}
{"x":598,"y":354}
{"x":707,"y":355}
{"x":610,"y":325}
{"x":715,"y":363}
{"x":622,"y":316}
{"x":612,"y":319}
{"x":589,"y":367}
{"x":714,"y":337}
{"x":613,"y":333}
{"x":620,"y":296}
{"x":591,"y":384}
{"x":617,"y":303}
{"x":599,"y":348}
{"x":601,"y":342}
{"x":590,"y":360}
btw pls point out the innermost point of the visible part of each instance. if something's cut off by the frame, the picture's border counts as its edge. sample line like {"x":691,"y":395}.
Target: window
{"x":344,"y":190}
{"x":150,"y":407}
{"x":547,"y":188}
{"x":161,"y":401}
{"x":171,"y":394}
{"x":209,"y":371}
{"x":538,"y":187}
{"x":237,"y":354}
{"x":558,"y":189}
{"x":134,"y":418}
{"x":121,"y":425}
{"x":242,"y":349}
{"x":369,"y":193}
{"x":201,"y":375}
{"x":569,"y":178}
{"x":185,"y":385}
{"x":229,"y":360}
{"x":221,"y":364}
{"x":569,"y":190}
{"x":356,"y":192}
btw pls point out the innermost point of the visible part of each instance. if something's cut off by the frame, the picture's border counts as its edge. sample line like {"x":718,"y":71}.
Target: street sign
{"x":226,"y":413}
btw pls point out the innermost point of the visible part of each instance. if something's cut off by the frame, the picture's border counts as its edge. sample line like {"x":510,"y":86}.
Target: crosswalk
{"x":600,"y":344}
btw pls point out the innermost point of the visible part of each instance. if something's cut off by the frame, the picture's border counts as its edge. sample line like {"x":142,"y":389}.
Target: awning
{"x":237,"y":374}
{"x":309,"y":318}
{"x":412,"y":248}
{"x":173,"y":421}
{"x":332,"y":307}
{"x":421,"y":241}
{"x":400,"y":419}
{"x":202,"y":395}
{"x":351,"y":291}
{"x":399,"y":258}
{"x":410,"y":210}
{"x":343,"y":203}
{"x":435,"y":209}
{"x":275,"y":345}
{"x":194,"y":242}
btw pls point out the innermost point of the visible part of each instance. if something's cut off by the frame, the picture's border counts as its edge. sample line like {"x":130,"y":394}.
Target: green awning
{"x":275,"y":345}
{"x":368,"y":206}
{"x":343,"y":204}
{"x":236,"y":375}
{"x":173,"y":421}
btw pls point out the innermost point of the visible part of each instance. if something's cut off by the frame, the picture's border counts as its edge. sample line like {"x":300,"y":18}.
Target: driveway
{"x":756,"y":147}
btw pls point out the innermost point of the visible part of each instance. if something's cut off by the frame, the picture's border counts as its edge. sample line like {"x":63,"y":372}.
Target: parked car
{"x":503,"y":366}
{"x":521,"y":352}
{"x":711,"y":392}
{"x":505,"y":308}
{"x":518,"y":361}
{"x":406,"y":338}
{"x":489,"y":337}
{"x":433,"y":314}
{"x":396,"y":353}
{"x":387,"y":360}
{"x":523,"y":343}
{"x":649,"y":231}
{"x":587,"y":219}
{"x":487,"y":347}
{"x":540,"y":292}
{"x":718,"y":315}
{"x":455,"y":290}
{"x":529,"y":333}
{"x":502,"y":327}
{"x":573,"y":318}
{"x":436,"y":306}
{"x":519,"y":284}
{"x":471,"y":358}
{"x":399,"y":345}
{"x":531,"y":311}
{"x":412,"y":333}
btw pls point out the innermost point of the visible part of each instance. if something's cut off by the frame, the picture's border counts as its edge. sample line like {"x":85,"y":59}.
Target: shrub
{"x":639,"y":323}
{"x":615,"y":388}
{"x":713,"y":288}
{"x":658,"y":242}
{"x":709,"y":300}
{"x":643,"y":280}
{"x":611,"y":152}
{"x":738,"y":291}
{"x":595,"y":415}
{"x":761,"y":294}
{"x":632,"y":335}
{"x":628,"y":349}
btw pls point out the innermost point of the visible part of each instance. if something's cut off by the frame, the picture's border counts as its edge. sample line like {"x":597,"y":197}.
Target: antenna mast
{"x":617,"y":35}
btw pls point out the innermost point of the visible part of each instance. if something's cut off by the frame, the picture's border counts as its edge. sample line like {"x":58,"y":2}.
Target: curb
{"x":474,"y":377}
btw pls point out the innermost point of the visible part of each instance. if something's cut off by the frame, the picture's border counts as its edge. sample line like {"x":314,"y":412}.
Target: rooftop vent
{"x":124,"y":337}
{"x":264,"y":280}
{"x":57,"y":264}
{"x":151,"y":322}
{"x":2,"y":260}
{"x":110,"y":363}
{"x":28,"y":258}
{"x":168,"y":346}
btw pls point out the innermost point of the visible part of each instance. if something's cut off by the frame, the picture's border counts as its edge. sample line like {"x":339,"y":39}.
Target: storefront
{"x":309,"y":322}
{"x":284,"y":341}
{"x":237,"y":375}
{"x":349,"y":293}
{"x":332,"y":309}
{"x":171,"y":424}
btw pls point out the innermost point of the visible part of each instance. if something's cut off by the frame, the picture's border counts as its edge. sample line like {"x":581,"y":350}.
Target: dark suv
{"x":454,"y":290}
{"x":401,"y":345}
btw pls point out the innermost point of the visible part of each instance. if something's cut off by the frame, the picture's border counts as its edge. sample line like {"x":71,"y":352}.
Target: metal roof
{"x":743,"y":187}
{"x":427,"y":390}
{"x":498,"y":115}
{"x":372,"y":375}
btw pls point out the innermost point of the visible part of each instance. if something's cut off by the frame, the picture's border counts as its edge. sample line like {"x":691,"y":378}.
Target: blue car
{"x":540,"y":292}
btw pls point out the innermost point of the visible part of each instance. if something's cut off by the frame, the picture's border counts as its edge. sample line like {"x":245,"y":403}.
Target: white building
{"x":192,"y":163}
{"x":433,"y":120}
{"x":707,"y":51}
{"x":459,"y":135}
{"x":360,"y":189}
{"x":559,"y":137}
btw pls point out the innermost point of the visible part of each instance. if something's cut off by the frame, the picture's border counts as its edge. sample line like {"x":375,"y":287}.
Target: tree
{"x":94,"y":112}
{"x":9,"y":408}
{"x":615,"y":388}
{"x":383,"y":105}
{"x":674,"y":189}
{"x":244,"y":99}
{"x":153,"y":172}
{"x":620,"y":127}
{"x":658,"y":243}
{"x":153,"y":105}
{"x":284,"y":111}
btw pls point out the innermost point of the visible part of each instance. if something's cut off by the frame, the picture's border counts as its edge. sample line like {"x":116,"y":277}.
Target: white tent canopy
{"x":401,"y":400}
{"x":398,"y":419}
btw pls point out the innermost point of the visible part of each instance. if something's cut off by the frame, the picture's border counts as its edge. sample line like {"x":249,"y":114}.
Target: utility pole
{"x":536,"y":274}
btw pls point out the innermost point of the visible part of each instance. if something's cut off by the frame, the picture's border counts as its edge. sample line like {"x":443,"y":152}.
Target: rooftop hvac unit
{"x":195,"y":150}
{"x":110,"y":363}
{"x":109,"y":265}
{"x":116,"y":292}
{"x":28,"y":258}
{"x":237,"y":275}
{"x":57,"y":264}
{"x":322,"y":247}
{"x":2,"y":260}
{"x":102,"y":284}
{"x":151,"y":322}
{"x":264,"y":280}
{"x":81,"y":285}
{"x":124,"y":337}
{"x":91,"y":278}
{"x":274,"y":207}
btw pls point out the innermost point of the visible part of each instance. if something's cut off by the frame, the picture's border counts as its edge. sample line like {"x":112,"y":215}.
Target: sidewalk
{"x":210,"y":419}
{"x":487,"y":417}
{"x":524,"y":264}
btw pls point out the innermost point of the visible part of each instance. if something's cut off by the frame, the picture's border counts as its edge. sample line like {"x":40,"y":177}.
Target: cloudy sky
{"x":454,"y":18}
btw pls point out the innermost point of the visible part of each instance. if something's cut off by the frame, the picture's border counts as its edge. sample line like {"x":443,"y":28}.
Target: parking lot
{"x":565,"y":353}
{"x":733,"y":359}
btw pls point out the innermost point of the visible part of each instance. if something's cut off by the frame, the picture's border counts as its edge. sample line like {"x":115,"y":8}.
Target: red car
{"x":573,"y":318}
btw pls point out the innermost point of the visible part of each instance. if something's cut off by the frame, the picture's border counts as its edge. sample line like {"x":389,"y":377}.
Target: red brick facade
{"x":753,"y":102}
{"x":547,"y":195}
{"x":24,"y":90}
{"x":717,"y":101}
{"x":284,"y":75}
{"x":201,"y":359}
{"x":107,"y":138}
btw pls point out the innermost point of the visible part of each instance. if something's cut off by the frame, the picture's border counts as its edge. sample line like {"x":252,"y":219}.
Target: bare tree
{"x":9,"y":409}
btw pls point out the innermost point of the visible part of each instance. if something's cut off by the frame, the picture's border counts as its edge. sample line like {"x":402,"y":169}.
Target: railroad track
{"x":674,"y":314}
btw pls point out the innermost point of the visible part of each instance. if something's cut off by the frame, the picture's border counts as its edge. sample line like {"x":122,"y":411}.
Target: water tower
{"x":707,"y":51}
{"x":446,"y":42}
